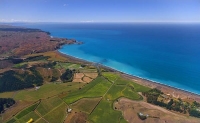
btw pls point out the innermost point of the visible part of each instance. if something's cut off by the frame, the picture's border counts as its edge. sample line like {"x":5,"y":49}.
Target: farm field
{"x":7,"y":94}
{"x":47,"y":90}
{"x":109,"y":96}
{"x":15,"y":109}
{"x":90,"y":96}
{"x":105,"y":110}
{"x":110,"y":76}
{"x":116,"y":91}
{"x":57,"y":115}
{"x":25,"y":115}
{"x":94,"y":89}
{"x":89,"y":100}
{"x":86,"y":104}
{"x":47,"y":105}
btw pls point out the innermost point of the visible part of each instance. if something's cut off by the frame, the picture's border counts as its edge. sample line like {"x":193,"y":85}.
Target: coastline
{"x":173,"y":91}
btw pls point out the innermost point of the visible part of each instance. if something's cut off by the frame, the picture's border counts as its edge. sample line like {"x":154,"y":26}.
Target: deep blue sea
{"x":165,"y":53}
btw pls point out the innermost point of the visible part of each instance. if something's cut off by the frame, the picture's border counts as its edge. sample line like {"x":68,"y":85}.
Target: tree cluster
{"x":67,"y":76}
{"x":195,"y":109}
{"x":152,"y":95}
{"x":5,"y":103}
{"x":36,"y":58}
{"x":12,"y":80}
{"x":175,"y":105}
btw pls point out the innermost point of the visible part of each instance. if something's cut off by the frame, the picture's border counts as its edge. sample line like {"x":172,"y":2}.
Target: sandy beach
{"x":172,"y":91}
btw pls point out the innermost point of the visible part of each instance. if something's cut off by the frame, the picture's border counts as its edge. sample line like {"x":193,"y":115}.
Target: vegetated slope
{"x":17,"y":41}
{"x":12,"y":80}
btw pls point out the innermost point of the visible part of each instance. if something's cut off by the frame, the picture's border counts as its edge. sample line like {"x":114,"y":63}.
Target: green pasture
{"x":137,"y":87}
{"x":110,"y":76}
{"x":57,"y":115}
{"x":7,"y":94}
{"x":26,"y":111}
{"x":96,"y":88}
{"x":47,"y":105}
{"x":28,"y":116}
{"x":12,"y":121}
{"x":104,"y":113}
{"x":47,"y":90}
{"x":86,"y":104}
{"x":67,"y":65}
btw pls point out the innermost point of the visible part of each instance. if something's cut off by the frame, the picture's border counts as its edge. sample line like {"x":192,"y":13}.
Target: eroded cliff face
{"x":18,"y":41}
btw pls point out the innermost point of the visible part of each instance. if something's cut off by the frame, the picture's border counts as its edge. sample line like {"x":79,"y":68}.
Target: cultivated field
{"x":46,"y":91}
{"x":84,"y":77}
{"x":85,"y":104}
{"x":47,"y":105}
{"x":108,"y":98}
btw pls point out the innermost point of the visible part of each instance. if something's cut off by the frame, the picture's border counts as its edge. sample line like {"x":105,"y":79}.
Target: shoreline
{"x":173,"y":91}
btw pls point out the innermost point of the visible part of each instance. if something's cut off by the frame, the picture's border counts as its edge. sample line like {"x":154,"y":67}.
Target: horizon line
{"x":100,"y":22}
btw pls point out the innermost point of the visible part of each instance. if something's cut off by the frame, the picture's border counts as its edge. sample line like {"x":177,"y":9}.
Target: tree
{"x":194,"y":112}
{"x":170,"y":104}
{"x":6,"y":103}
{"x":67,"y":76}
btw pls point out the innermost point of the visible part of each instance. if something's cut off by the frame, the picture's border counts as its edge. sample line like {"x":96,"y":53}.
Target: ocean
{"x":167,"y":53}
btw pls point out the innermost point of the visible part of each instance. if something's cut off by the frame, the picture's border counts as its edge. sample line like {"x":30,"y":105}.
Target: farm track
{"x":40,"y":117}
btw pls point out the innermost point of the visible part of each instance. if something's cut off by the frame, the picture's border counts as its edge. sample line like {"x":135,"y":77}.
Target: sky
{"x":100,"y":10}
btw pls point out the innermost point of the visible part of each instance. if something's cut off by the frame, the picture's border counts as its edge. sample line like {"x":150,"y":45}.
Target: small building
{"x":142,"y":116}
{"x":37,"y":87}
{"x":69,"y":110}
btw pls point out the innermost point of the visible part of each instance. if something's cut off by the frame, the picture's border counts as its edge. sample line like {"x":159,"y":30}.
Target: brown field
{"x":76,"y":117}
{"x":156,"y":114}
{"x":84,"y":77}
{"x":78,"y":75}
{"x":7,"y":94}
{"x":15,"y":109}
{"x":86,"y":104}
{"x":54,"y":56}
{"x":87,"y":79}
{"x":77,"y":80}
{"x":45,"y":72}
{"x":91,"y":75}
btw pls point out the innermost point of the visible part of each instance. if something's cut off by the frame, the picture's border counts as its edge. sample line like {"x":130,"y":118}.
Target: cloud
{"x":13,"y":20}
{"x":87,"y":21}
{"x":65,"y":5}
{"x":2,"y":20}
